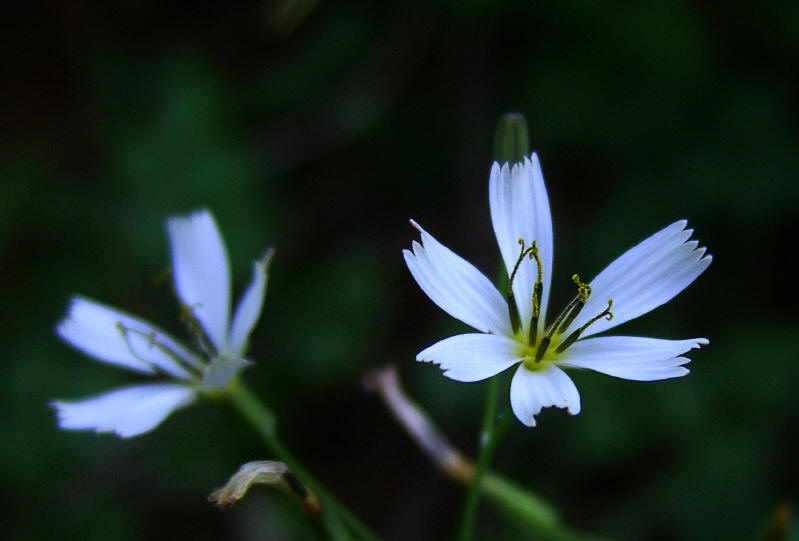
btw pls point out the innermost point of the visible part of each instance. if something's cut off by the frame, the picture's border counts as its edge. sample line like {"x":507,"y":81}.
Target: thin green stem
{"x":264,"y":423}
{"x":529,"y":510}
{"x":489,"y":438}
{"x":525,"y":506}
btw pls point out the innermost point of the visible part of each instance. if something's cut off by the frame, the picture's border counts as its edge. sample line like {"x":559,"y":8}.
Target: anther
{"x":513,"y":310}
{"x":583,"y":292}
{"x":606,"y":313}
{"x":538,"y":291}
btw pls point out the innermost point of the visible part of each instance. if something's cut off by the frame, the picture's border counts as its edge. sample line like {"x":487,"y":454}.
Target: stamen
{"x":187,"y":315}
{"x":538,"y":291}
{"x":562,"y":316}
{"x":513,"y":310}
{"x":576,"y":334}
{"x":542,"y":348}
{"x":151,"y":341}
{"x":583,"y":292}
{"x":566,"y":317}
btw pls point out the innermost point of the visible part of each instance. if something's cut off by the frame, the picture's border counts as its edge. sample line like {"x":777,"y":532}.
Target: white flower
{"x":513,"y":329}
{"x":202,"y":281}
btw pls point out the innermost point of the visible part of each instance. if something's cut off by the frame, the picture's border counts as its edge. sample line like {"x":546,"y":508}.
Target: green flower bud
{"x":511,"y":140}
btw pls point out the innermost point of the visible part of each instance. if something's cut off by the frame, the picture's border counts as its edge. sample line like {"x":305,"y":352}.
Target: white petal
{"x":128,"y":411}
{"x":202,"y":274}
{"x":472,"y":357}
{"x":112,"y":336}
{"x":520,"y":210}
{"x":631,"y":357}
{"x":457,"y":286}
{"x":249,"y":308}
{"x":644,"y":277}
{"x":530,"y":391}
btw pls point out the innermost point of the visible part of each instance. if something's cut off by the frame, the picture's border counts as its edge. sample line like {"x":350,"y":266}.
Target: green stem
{"x":529,"y":510}
{"x":519,"y":503}
{"x":489,"y":438}
{"x":264,"y":423}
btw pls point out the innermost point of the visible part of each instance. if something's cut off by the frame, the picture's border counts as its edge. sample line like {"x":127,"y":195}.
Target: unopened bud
{"x":511,"y":139}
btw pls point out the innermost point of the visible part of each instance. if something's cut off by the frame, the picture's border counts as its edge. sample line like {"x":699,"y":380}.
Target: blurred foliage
{"x":319,"y":128}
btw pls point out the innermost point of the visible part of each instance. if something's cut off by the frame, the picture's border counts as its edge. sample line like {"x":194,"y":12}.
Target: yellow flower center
{"x":530,"y":353}
{"x":538,"y":351}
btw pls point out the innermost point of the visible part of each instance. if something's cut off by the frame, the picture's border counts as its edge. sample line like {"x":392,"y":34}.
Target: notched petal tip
{"x":530,"y":164}
{"x":266,"y":259}
{"x":687,"y":233}
{"x":678,"y":369}
{"x":424,"y":357}
{"x":61,"y":328}
{"x":57,"y":405}
{"x":534,"y":422}
{"x":532,"y":391}
{"x":438,"y":364}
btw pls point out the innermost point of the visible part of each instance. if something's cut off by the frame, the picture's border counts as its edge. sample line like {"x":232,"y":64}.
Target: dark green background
{"x":320,"y":134}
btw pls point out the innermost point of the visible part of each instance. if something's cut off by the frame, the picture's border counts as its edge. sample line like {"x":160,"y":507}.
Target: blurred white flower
{"x":513,"y":328}
{"x":202,"y":281}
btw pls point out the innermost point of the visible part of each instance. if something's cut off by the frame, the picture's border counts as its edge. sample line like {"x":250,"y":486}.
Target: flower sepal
{"x":218,"y":374}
